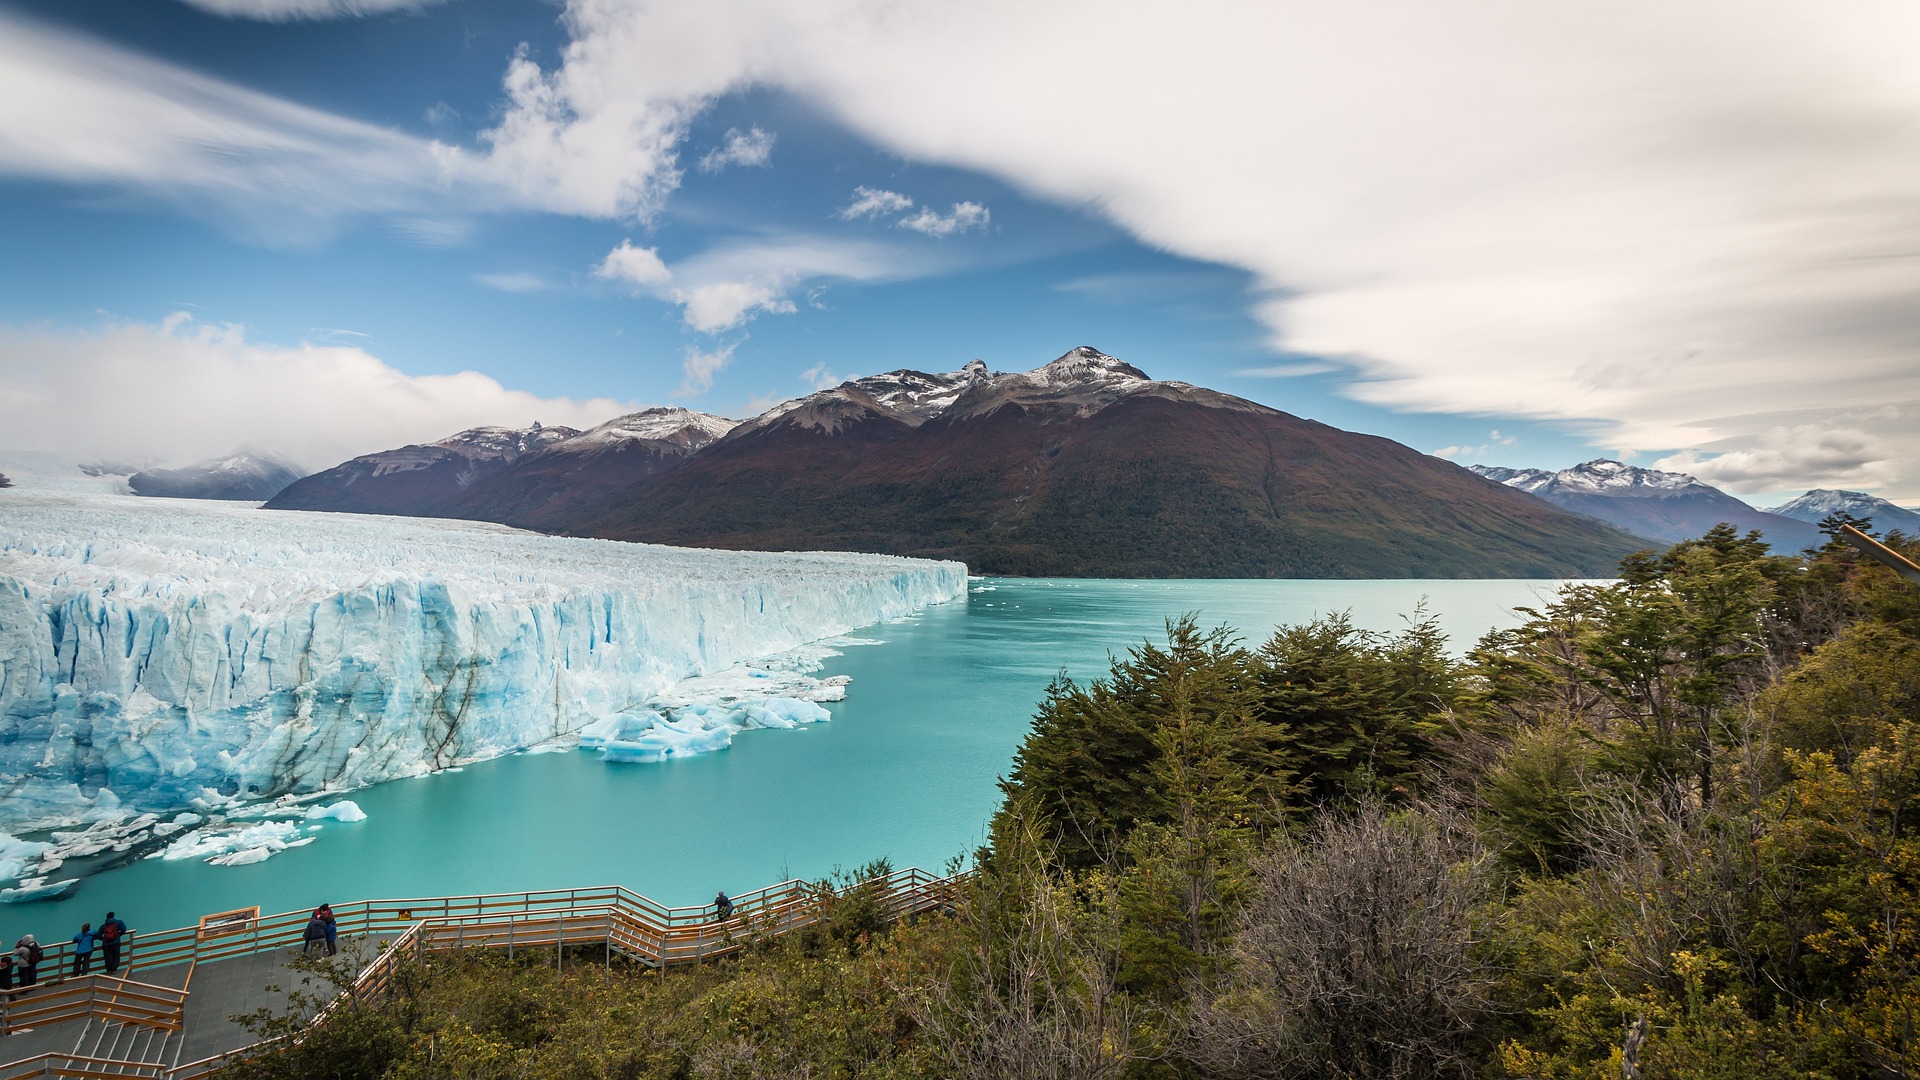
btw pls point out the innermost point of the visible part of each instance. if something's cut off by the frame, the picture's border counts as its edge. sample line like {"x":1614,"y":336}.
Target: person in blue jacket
{"x":83,"y":949}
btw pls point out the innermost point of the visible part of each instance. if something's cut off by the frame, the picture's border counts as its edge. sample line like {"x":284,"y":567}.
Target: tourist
{"x":26,"y":959}
{"x":6,"y":972}
{"x":111,"y":933}
{"x":325,"y":914}
{"x":723,"y":905}
{"x":315,"y":938}
{"x":83,"y":950}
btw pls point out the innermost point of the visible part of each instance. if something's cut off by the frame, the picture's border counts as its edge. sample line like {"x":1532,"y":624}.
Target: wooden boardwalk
{"x":166,"y":1016}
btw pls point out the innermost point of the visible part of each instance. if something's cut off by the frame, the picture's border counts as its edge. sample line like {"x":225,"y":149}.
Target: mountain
{"x":1815,"y":505}
{"x":562,"y":479}
{"x":1665,"y":506}
{"x":1088,"y":467}
{"x":248,"y":475}
{"x":422,"y":480}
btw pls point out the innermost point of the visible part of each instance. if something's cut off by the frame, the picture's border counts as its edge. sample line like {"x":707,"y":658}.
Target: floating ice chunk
{"x":38,"y":889}
{"x":16,"y":853}
{"x":217,"y":843}
{"x":344,"y":810}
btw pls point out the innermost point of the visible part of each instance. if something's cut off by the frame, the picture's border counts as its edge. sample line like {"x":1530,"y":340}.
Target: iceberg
{"x":162,"y":656}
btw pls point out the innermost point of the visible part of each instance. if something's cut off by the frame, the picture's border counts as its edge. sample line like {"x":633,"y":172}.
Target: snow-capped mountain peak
{"x":668,"y":423}
{"x":1817,"y":504}
{"x":1086,"y":366}
{"x":1601,"y":476}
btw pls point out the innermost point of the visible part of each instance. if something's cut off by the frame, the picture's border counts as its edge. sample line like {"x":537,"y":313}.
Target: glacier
{"x":160,"y":656}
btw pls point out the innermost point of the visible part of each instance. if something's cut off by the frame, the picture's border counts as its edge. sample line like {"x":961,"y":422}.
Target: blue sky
{"x":330,"y":226}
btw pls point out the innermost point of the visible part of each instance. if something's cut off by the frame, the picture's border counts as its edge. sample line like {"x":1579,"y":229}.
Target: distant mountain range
{"x":1082,"y":467}
{"x":1815,"y":505}
{"x":245,"y":475}
{"x":534,"y":478}
{"x":1665,"y":506}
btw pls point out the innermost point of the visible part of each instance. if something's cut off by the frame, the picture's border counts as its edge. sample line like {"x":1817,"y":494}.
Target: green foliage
{"x":1359,"y":710}
{"x":1667,"y":827}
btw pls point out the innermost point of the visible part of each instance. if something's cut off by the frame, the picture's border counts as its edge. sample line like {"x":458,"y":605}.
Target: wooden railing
{"x":105,"y":997}
{"x":83,"y":1068}
{"x":622,"y":921}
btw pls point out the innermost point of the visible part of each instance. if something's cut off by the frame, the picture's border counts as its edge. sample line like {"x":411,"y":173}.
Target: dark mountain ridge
{"x":1082,"y":467}
{"x":1086,"y":467}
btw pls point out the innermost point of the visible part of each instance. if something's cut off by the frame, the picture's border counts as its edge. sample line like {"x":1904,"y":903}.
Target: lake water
{"x":906,"y":769}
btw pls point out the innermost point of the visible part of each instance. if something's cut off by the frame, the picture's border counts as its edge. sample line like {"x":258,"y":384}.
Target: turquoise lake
{"x":905,"y":770}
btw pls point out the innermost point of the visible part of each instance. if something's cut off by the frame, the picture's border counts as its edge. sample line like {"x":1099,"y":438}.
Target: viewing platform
{"x":166,"y":1015}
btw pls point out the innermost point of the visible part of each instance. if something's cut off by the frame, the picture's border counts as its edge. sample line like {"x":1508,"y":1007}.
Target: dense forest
{"x":1665,"y":828}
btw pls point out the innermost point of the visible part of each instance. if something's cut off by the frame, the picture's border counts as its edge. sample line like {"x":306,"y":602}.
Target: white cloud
{"x":1787,"y":458}
{"x":518,"y":281}
{"x":184,"y":390}
{"x":725,"y":305}
{"x":869,"y":203}
{"x":289,"y":10}
{"x":819,"y":378}
{"x":1495,"y":441}
{"x":701,"y":365}
{"x":638,"y":267}
{"x":752,"y":148}
{"x":732,"y":283}
{"x":1658,"y":218}
{"x":964,"y":216}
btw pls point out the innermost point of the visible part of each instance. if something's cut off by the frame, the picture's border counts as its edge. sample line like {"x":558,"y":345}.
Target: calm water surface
{"x":906,"y":769}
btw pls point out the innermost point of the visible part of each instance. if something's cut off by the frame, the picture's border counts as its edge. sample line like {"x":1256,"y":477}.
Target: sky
{"x":1680,"y":233}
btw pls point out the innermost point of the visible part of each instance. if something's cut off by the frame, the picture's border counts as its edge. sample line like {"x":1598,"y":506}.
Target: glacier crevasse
{"x":179,"y":655}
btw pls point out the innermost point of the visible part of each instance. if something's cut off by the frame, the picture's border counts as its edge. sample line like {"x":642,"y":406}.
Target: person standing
{"x":6,"y":971}
{"x":325,"y":914}
{"x":723,"y":905}
{"x":314,"y":938}
{"x":26,"y":959}
{"x":112,"y":930}
{"x":83,"y":950}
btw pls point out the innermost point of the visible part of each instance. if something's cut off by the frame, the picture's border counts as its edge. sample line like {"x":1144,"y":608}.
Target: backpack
{"x":34,"y":953}
{"x":110,"y":932}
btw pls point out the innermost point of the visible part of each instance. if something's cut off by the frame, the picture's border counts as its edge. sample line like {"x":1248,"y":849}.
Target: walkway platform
{"x":168,"y":1014}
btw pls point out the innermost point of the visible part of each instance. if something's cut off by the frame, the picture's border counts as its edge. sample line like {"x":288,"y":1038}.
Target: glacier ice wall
{"x":159,"y":654}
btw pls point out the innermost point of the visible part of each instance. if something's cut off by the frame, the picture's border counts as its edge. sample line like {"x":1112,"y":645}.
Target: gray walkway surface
{"x":219,"y":990}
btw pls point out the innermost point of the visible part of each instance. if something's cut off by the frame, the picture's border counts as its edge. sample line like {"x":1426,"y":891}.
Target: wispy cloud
{"x":78,"y":110}
{"x":732,"y":283}
{"x":1495,"y":441}
{"x":869,"y":203}
{"x":753,"y":148}
{"x":291,"y":10}
{"x":963,"y":216}
{"x":517,"y":281}
{"x":700,"y":366}
{"x":819,"y":378}
{"x":1288,"y":371}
